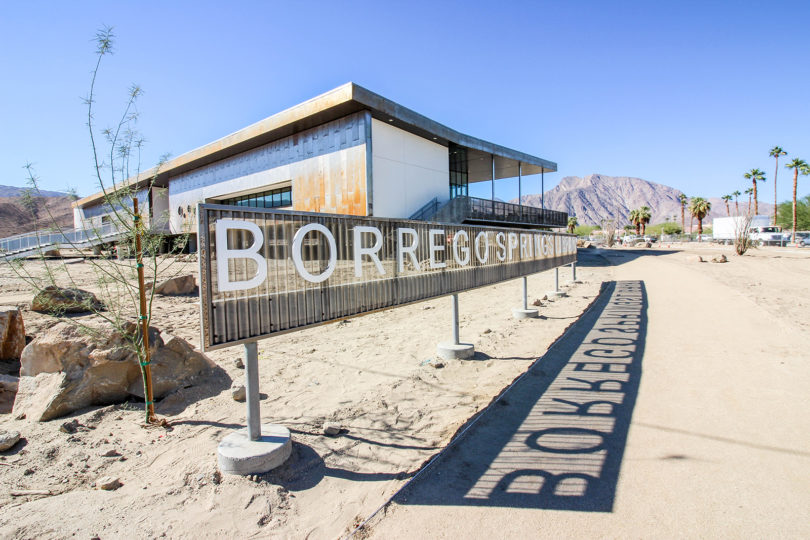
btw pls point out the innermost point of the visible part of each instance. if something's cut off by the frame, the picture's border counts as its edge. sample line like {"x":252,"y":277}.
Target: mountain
{"x":16,"y":217}
{"x":597,"y":197}
{"x":13,"y":191}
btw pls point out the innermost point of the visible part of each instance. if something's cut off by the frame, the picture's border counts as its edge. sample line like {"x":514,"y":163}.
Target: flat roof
{"x":342,"y":101}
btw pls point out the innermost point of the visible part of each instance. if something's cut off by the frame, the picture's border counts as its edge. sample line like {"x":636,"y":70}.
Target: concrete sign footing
{"x":453,"y":351}
{"x":518,"y":313}
{"x":574,"y":282}
{"x":238,"y":454}
{"x":555,"y":294}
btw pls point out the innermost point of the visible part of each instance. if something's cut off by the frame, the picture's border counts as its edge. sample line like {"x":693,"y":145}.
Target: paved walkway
{"x":677,"y":425}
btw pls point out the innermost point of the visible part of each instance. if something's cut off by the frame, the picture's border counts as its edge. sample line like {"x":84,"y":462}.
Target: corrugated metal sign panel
{"x":267,"y":271}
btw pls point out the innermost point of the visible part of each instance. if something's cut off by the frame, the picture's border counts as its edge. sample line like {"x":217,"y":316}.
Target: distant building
{"x":348,"y":151}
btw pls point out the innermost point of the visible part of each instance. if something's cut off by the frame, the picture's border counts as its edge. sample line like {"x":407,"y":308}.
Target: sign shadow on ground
{"x":556,"y":438}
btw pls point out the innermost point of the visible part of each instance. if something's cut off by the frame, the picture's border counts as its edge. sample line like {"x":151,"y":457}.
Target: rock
{"x":108,"y":483}
{"x":70,"y":427}
{"x":719,"y":259}
{"x":9,"y":383}
{"x":331,"y":428}
{"x":65,"y":369}
{"x":239,"y":364}
{"x":538,"y":302}
{"x":438,"y":365}
{"x":57,"y":300}
{"x":175,"y":286}
{"x":487,"y":331}
{"x":238,"y":392}
{"x":590,"y":245}
{"x":12,"y":333}
{"x":643,"y":244}
{"x":694,"y":258}
{"x":8,"y":439}
{"x":110,"y":453}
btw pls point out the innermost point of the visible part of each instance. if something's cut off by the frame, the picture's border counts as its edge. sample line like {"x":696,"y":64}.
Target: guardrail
{"x":475,"y":210}
{"x":22,"y":244}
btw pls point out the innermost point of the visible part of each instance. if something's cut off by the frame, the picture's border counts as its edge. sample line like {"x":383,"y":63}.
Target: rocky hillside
{"x":16,"y":217}
{"x":597,"y":197}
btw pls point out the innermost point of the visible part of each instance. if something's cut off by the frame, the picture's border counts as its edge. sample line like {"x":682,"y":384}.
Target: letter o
{"x":482,"y":260}
{"x":298,"y":240}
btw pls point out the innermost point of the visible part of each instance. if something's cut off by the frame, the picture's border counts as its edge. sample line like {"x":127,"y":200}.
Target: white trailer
{"x":760,"y":230}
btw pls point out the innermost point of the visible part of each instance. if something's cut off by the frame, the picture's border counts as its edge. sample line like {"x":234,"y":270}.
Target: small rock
{"x":438,"y":365}
{"x":538,"y":302}
{"x":694,"y":258}
{"x":487,"y":331}
{"x":427,"y":307}
{"x":28,"y":472}
{"x":331,"y":428}
{"x":238,"y":392}
{"x":8,"y":439}
{"x":239,"y":364}
{"x":70,"y":427}
{"x":108,"y":483}
{"x":175,"y":286}
{"x":110,"y":453}
{"x":719,"y":259}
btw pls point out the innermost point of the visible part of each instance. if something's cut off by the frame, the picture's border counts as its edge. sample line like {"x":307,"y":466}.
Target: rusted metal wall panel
{"x":333,"y":183}
{"x":316,"y":277}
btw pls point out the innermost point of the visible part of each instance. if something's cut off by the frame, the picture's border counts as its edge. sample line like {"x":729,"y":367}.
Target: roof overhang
{"x":342,"y":101}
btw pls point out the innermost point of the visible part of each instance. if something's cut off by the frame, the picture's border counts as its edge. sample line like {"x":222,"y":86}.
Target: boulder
{"x":9,"y":383}
{"x":59,"y":300}
{"x":238,"y":392}
{"x":694,"y":258}
{"x":12,"y":333}
{"x":175,"y":286}
{"x":8,"y":439}
{"x":719,"y":259}
{"x":65,"y":369}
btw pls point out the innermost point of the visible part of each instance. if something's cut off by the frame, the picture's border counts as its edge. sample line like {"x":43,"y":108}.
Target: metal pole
{"x":525,"y":294}
{"x":254,"y":421}
{"x":493,"y":183}
{"x":520,"y":190}
{"x":557,"y":279}
{"x":573,"y":271}
{"x":454,"y":304}
{"x":542,"y":190}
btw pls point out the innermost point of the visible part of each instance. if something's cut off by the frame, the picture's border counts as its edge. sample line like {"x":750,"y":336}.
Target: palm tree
{"x":727,"y":198}
{"x":798,"y":166}
{"x":644,"y":216}
{"x":682,"y":198}
{"x":748,"y":192}
{"x":775,"y":152}
{"x":635,"y":219}
{"x":755,"y":175}
{"x":572,"y":222}
{"x":736,"y":194}
{"x":699,"y":208}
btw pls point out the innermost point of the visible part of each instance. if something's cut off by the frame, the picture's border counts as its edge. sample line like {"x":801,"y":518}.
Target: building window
{"x":459,"y":177}
{"x":265,"y":199}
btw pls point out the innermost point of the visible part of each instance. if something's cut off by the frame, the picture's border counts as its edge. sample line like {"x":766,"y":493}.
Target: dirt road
{"x":696,"y":425}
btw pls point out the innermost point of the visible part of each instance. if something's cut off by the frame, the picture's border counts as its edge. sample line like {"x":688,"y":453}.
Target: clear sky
{"x":688,"y":94}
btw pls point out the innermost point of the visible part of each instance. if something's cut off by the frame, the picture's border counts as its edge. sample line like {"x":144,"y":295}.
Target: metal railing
{"x":22,"y":245}
{"x":474,"y":210}
{"x":427,"y":211}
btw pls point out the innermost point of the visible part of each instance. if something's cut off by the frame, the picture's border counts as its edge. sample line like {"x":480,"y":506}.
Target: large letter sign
{"x":267,"y":271}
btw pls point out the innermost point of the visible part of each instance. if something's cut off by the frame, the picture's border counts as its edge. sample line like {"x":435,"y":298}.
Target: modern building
{"x":348,"y":151}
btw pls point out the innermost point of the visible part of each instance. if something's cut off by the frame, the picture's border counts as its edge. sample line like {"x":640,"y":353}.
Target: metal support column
{"x":454,"y":309}
{"x":573,"y":271}
{"x":493,"y":183}
{"x":254,"y":420}
{"x":542,"y":190}
{"x":520,"y":188}
{"x":525,"y":294}
{"x":557,"y":279}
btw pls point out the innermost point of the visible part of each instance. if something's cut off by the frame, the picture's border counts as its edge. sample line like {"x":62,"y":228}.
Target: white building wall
{"x":408,"y":171}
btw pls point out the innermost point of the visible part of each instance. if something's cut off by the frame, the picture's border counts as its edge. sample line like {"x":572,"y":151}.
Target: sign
{"x":268,"y":271}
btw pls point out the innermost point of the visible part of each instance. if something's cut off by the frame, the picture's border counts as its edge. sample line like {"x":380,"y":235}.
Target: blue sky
{"x":688,"y":94}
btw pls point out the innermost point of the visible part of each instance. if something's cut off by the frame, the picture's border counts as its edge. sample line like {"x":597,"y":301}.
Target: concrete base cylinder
{"x":555,"y":294}
{"x":453,"y":351}
{"x":237,"y":454}
{"x":524,"y":313}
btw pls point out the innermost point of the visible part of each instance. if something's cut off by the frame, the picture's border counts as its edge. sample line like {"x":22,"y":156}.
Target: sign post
{"x":525,"y":312}
{"x":455,"y":349}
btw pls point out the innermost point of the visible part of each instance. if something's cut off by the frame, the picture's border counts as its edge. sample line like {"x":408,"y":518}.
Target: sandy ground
{"x":717,"y":435}
{"x":376,"y":375}
{"x":717,"y":444}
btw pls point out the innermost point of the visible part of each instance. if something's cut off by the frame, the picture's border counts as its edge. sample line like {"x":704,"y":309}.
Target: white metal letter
{"x":298,"y":242}
{"x":500,"y":238}
{"x":465,"y":250}
{"x":410,"y":250}
{"x":485,"y":235}
{"x":434,"y":248}
{"x":225,"y":254}
{"x":513,"y":244}
{"x":359,"y":250}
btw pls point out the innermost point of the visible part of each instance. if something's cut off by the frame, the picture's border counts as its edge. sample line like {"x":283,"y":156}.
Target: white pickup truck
{"x":761,"y":232}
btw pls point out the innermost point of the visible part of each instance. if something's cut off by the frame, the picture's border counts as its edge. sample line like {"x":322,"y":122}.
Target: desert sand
{"x":723,"y":384}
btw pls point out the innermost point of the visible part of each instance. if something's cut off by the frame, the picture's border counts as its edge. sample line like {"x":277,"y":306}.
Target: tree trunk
{"x":775,"y":203}
{"x":795,"y":183}
{"x":700,"y":229}
{"x":756,"y":203}
{"x":728,"y":212}
{"x":737,"y":205}
{"x":683,"y":221}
